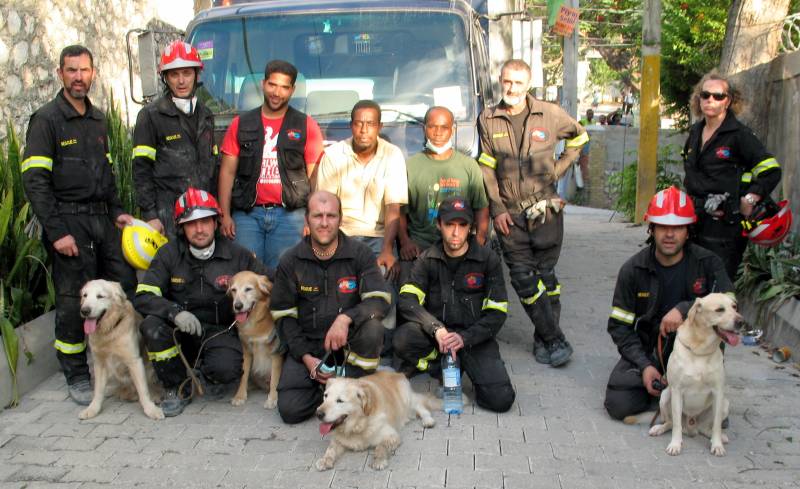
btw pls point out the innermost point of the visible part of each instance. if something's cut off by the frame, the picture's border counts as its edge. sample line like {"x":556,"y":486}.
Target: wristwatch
{"x":436,"y":329}
{"x":750,"y":199}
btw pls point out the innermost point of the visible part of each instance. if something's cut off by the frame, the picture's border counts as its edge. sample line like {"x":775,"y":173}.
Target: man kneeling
{"x":455,"y":301}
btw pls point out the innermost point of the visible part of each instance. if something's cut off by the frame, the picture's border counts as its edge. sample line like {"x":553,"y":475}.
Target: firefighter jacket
{"x":473,"y":300}
{"x":634,"y":322}
{"x":515,"y":175}
{"x":295,"y":185}
{"x":733,"y":160}
{"x":67,"y":165}
{"x":309,"y":293}
{"x":172,"y":152}
{"x":177,"y":281}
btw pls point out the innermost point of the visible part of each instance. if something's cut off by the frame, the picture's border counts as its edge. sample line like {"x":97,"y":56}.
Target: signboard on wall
{"x":567,"y":19}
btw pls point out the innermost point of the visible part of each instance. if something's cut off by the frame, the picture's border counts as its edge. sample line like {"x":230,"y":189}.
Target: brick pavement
{"x":557,"y":434}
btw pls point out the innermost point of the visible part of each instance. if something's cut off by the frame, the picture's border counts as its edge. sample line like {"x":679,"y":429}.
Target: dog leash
{"x":660,"y":350}
{"x":197,"y":387}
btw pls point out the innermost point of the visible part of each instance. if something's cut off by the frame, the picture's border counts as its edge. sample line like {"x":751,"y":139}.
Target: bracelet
{"x":436,"y":329}
{"x":750,"y":199}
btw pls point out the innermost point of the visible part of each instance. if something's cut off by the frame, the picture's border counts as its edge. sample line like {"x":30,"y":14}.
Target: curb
{"x":782,"y":328}
{"x":37,"y":337}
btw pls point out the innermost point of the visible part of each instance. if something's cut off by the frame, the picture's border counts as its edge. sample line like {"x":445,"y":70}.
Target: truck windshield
{"x":405,"y":61}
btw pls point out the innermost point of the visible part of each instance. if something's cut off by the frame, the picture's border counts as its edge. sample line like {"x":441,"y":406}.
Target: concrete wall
{"x":33,"y":32}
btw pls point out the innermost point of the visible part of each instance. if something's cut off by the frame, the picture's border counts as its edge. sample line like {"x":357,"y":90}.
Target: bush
{"x":622,"y":184}
{"x":770,"y":275}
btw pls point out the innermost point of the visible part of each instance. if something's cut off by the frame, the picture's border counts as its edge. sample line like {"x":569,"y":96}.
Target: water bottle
{"x":451,"y":380}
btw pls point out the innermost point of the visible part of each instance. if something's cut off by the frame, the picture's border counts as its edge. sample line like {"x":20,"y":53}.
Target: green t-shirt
{"x":430,"y":182}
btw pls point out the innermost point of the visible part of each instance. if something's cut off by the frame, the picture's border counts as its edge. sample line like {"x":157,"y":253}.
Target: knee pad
{"x":525,"y":281}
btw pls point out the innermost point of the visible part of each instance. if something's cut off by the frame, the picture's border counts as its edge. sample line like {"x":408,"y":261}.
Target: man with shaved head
{"x":328,"y":301}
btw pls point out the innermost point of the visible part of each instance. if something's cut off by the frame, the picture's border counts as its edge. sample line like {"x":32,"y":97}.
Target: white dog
{"x":369,"y":412}
{"x":112,"y":326}
{"x":696,"y":376}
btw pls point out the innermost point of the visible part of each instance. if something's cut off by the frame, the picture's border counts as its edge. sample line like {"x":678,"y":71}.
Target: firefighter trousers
{"x":481,"y":362}
{"x":625,"y":393}
{"x":220,"y":360}
{"x":299,"y":395}
{"x":723,"y":238}
{"x":99,"y":256}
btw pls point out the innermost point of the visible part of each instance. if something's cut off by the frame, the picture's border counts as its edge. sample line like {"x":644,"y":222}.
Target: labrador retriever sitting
{"x":118,"y":351}
{"x":369,"y":412}
{"x":695,"y":395}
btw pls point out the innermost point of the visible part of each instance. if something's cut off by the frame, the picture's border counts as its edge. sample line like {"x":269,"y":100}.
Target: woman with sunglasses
{"x":727,"y":169}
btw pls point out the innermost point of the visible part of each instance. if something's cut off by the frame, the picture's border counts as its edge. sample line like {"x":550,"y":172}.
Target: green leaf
{"x":6,"y":211}
{"x":11,"y":347}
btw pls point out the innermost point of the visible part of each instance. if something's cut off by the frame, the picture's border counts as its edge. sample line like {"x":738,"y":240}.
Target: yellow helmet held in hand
{"x":140,"y":243}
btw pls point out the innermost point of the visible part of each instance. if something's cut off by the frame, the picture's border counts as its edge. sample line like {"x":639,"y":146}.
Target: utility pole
{"x":569,"y":92}
{"x":650,"y":117}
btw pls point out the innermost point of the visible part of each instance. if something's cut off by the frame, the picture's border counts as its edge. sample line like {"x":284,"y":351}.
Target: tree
{"x":753,"y":34}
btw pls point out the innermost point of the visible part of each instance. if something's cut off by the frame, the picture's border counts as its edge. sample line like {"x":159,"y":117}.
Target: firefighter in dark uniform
{"x":518,"y":139}
{"x":173,"y":142}
{"x":186,"y":288}
{"x":655,"y":289}
{"x":455,"y":302}
{"x":68,"y":178}
{"x":728,"y":170}
{"x":328,"y":300}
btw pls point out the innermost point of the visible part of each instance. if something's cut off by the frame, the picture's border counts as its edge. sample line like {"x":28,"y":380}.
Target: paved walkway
{"x":557,"y":435}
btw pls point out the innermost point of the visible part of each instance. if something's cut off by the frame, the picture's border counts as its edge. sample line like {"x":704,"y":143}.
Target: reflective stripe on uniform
{"x":620,"y":314}
{"x":37,"y":162}
{"x":377,"y":293}
{"x":291,"y":312}
{"x":556,"y":291}
{"x":110,"y":159}
{"x":422,"y":363}
{"x":69,"y":348}
{"x":747,"y":177}
{"x":164,"y":355}
{"x":578,"y":140}
{"x":765,"y":165}
{"x":413,"y":289}
{"x":531,"y":300}
{"x":363,"y":362}
{"x":487,"y":160}
{"x":151,"y":289}
{"x":501,"y":306}
{"x":146,"y":151}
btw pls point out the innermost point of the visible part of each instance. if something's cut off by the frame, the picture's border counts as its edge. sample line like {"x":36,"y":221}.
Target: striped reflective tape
{"x":37,"y":162}
{"x":413,"y":289}
{"x":161,"y":356}
{"x":109,"y":158}
{"x":363,"y":362}
{"x":377,"y":293}
{"x":148,"y":289}
{"x":145,"y":151}
{"x":501,"y":306}
{"x":578,"y":140}
{"x":422,"y":363}
{"x":487,"y":160}
{"x":283,"y":313}
{"x":69,"y":348}
{"x":765,"y":165}
{"x":532,"y":299}
{"x":747,"y":177}
{"x":622,"y":315}
{"x":556,"y":291}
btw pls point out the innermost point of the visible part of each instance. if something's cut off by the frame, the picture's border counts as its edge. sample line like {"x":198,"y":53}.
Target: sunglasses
{"x":717,"y":96}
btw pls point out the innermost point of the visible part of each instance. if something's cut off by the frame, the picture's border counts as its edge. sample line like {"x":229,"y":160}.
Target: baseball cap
{"x":454,"y":208}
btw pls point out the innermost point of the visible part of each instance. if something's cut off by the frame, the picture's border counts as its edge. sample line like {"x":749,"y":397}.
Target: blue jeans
{"x":268,"y":232}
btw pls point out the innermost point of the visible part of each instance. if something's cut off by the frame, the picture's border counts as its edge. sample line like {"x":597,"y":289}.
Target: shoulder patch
{"x":347,"y":285}
{"x":474,"y":280}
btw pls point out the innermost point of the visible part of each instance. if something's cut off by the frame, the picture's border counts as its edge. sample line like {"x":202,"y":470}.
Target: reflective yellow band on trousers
{"x":69,"y":348}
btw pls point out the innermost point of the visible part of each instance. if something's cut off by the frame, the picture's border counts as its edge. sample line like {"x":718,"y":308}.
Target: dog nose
{"x":238,"y":305}
{"x":320,"y":414}
{"x":85,"y":311}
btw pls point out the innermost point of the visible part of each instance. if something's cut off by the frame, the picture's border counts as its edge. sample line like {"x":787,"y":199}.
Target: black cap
{"x":453,"y":208}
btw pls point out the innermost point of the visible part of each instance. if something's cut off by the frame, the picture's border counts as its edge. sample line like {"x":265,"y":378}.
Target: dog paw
{"x":323,"y":464}
{"x":718,"y":450}
{"x":88,"y":413}
{"x":238,"y":401}
{"x":428,"y":422}
{"x":154,"y":412}
{"x":657,"y":430}
{"x":271,"y":403}
{"x":379,"y":463}
{"x":674,"y":448}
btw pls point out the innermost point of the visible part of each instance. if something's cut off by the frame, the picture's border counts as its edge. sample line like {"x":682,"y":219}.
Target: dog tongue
{"x":325,"y":428}
{"x":729,"y":337}
{"x":241,"y":317}
{"x":89,"y":326}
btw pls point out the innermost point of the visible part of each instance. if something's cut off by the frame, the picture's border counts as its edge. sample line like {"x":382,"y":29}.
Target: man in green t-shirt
{"x":435,"y":174}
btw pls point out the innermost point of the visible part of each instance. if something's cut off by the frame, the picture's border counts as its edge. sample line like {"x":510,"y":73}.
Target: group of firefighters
{"x":343,"y":245}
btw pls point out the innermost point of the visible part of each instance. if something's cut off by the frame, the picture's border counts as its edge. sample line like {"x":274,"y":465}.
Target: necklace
{"x":323,"y":254}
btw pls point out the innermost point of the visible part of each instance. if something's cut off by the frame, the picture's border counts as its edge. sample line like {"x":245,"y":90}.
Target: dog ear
{"x":264,"y":284}
{"x":118,"y":293}
{"x":693,"y":311}
{"x":365,"y":398}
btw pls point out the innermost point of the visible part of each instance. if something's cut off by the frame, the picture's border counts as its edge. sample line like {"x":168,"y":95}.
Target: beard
{"x":512,"y":101}
{"x":79,"y":92}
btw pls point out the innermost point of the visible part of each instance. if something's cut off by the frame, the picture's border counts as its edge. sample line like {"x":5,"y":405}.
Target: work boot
{"x":81,"y":392}
{"x":560,"y":352}
{"x":540,"y":351}
{"x":211,"y":391}
{"x":172,"y":404}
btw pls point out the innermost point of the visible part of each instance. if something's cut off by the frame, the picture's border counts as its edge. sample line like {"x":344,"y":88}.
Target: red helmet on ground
{"x":195,"y":204}
{"x":179,"y":54}
{"x":671,"y":207}
{"x":769,"y":223}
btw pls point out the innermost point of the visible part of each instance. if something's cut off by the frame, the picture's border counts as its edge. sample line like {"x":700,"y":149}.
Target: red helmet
{"x":671,"y":207}
{"x":179,"y":54}
{"x":195,"y":204}
{"x":769,"y":223}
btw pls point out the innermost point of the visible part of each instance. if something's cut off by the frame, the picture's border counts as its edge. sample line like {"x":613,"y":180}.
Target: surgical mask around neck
{"x":203,"y":253}
{"x":185,"y":105}
{"x":513,"y":101}
{"x":439,"y":149}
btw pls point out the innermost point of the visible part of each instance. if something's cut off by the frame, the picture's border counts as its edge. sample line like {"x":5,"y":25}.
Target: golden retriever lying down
{"x":369,"y":412}
{"x":696,"y":392}
{"x":112,"y":326}
{"x":250,"y":298}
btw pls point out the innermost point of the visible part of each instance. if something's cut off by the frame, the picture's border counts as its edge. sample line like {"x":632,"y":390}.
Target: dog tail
{"x":427,"y":400}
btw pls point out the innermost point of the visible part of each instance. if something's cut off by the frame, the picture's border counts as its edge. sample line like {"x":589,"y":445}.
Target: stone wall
{"x":33,"y":32}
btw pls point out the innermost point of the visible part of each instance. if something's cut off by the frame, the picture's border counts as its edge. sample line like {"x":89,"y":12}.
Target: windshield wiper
{"x":410,"y":117}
